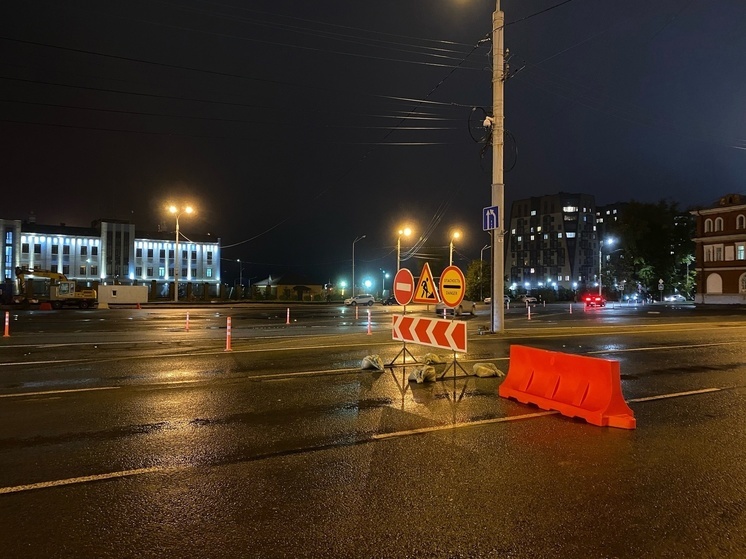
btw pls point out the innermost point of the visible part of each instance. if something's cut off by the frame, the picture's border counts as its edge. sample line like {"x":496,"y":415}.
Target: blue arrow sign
{"x":490,"y":218}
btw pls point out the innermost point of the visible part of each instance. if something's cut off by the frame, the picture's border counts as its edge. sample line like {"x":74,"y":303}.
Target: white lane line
{"x":49,"y":362}
{"x":675,"y":395}
{"x":48,"y":392}
{"x":86,"y":479}
{"x":653,"y":348}
{"x":377,"y":437}
{"x":381,"y":436}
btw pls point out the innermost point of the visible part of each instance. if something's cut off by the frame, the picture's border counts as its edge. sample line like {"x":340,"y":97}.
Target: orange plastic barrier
{"x":574,"y":385}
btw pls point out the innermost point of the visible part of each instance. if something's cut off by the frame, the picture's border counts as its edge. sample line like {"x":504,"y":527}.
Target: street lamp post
{"x":497,"y":317}
{"x":481,"y":274}
{"x":240,"y":278}
{"x":600,"y":260}
{"x":406,"y":232}
{"x":360,"y":238}
{"x":384,"y":275}
{"x":454,"y":235}
{"x":178,"y":213}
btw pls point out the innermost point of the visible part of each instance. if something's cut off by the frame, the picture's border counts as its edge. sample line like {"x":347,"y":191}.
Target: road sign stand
{"x":454,"y":364}
{"x":403,"y":352}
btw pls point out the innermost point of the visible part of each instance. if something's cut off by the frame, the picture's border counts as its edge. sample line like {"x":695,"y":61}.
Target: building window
{"x":709,"y":252}
{"x":138,"y":253}
{"x":708,"y":225}
{"x":209,"y":254}
{"x":161,"y":272}
{"x":742,"y":284}
{"x":66,"y":269}
{"x":55,"y":249}
{"x":570,"y":235}
{"x":208,"y":272}
{"x":163,"y":253}
{"x":194,"y":272}
{"x":719,"y":224}
{"x":740,"y":251}
{"x":66,"y":250}
{"x":83,"y":250}
{"x":138,"y":271}
{"x":150,"y":255}
{"x":83,"y":270}
{"x":718,"y":253}
{"x":24,"y":248}
{"x":94,"y":251}
{"x":150,"y":272}
{"x":94,"y":270}
{"x":37,"y":248}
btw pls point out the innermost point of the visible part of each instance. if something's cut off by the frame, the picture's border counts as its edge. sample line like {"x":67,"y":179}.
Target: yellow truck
{"x":57,"y":289}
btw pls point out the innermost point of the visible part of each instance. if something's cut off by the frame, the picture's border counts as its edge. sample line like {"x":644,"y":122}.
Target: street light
{"x":496,"y":123}
{"x":600,"y":259}
{"x":360,"y":238}
{"x":178,"y":213}
{"x":384,"y":275}
{"x":481,"y":275}
{"x":240,"y":278}
{"x":406,"y":232}
{"x":454,"y":235}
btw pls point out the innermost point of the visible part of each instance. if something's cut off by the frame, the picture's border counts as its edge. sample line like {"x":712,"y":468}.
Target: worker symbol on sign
{"x":426,"y":291}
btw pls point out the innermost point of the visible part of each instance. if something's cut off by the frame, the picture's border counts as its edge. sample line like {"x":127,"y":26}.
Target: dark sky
{"x":284,"y":123}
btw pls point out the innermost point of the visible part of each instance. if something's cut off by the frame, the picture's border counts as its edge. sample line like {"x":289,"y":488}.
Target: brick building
{"x":720,"y":253}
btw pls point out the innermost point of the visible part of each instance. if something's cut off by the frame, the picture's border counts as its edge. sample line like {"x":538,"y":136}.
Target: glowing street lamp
{"x":600,"y":260}
{"x":178,"y":212}
{"x":454,"y":235}
{"x":406,"y":232}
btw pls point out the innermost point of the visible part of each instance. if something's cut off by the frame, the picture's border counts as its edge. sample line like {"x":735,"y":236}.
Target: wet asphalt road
{"x":122,"y":434}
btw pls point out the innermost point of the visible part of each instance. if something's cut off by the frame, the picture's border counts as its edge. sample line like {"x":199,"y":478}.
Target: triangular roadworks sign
{"x":425,"y":290}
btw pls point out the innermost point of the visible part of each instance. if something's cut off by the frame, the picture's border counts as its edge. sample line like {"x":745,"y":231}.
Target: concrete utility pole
{"x":498,"y":188}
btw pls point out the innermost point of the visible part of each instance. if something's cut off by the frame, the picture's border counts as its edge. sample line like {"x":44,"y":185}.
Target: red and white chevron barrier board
{"x":436,"y":332}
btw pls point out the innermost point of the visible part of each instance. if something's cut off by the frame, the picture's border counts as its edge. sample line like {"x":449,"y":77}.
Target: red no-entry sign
{"x":403,"y":286}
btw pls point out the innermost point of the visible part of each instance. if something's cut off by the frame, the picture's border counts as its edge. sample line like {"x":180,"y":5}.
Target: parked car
{"x":390,"y":300}
{"x":675,"y":298}
{"x":365,"y":299}
{"x":527,"y":299}
{"x":592,"y":300}
{"x":506,"y":300}
{"x":465,"y":306}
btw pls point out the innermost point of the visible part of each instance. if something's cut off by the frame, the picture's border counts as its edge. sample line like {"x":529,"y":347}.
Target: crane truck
{"x":59,"y":292}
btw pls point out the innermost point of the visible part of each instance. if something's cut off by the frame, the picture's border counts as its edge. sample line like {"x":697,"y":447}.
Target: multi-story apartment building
{"x":552,"y":241}
{"x":111,"y":251}
{"x":720,"y":252}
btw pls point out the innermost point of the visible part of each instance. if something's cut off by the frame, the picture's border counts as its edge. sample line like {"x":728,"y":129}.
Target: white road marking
{"x":381,"y":436}
{"x":86,"y":479}
{"x":675,"y":395}
{"x":48,"y":392}
{"x":377,"y":437}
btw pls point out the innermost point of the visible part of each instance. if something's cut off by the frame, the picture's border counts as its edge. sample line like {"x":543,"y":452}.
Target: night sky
{"x":295,"y":127}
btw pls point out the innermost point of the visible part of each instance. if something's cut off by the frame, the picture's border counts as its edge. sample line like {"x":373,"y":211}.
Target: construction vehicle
{"x":58,"y":290}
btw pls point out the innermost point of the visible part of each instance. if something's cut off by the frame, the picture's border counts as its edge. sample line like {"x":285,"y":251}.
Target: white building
{"x":111,"y":251}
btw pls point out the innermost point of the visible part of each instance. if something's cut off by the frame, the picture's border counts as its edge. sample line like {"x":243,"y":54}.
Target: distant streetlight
{"x":343,"y":284}
{"x":360,"y":238}
{"x":481,"y":283}
{"x":454,"y":235}
{"x":178,"y":212}
{"x":384,"y":275}
{"x":406,"y":232}
{"x":600,"y":260}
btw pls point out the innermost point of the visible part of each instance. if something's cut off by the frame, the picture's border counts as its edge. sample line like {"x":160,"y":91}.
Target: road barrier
{"x":7,"y":325}
{"x":369,"y":330}
{"x":574,"y":385}
{"x":186,"y":326}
